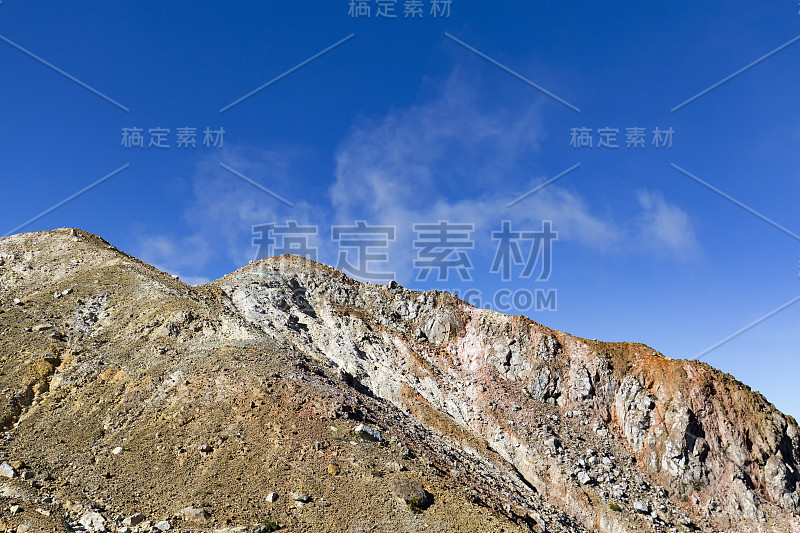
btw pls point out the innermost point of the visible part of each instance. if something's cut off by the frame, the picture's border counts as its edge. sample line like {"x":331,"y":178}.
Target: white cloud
{"x":446,"y":147}
{"x":665,"y":226}
{"x":460,"y":159}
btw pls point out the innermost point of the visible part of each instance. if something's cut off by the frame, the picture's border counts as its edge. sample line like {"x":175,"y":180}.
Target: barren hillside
{"x":286,"y":395}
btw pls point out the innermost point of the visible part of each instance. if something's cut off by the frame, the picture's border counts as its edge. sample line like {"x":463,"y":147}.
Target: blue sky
{"x":419,"y":120}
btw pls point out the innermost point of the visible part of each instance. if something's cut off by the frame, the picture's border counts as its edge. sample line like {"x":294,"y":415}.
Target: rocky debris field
{"x":287,"y":397}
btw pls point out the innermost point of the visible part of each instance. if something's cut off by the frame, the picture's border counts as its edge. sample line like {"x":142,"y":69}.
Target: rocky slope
{"x":287,"y":395}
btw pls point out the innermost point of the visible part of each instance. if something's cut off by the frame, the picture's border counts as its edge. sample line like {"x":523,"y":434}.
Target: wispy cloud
{"x":223,"y":208}
{"x":665,"y":226}
{"x":459,"y":157}
{"x":456,"y":144}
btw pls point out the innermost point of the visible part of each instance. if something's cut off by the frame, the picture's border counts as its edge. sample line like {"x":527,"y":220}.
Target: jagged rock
{"x":133,"y":520}
{"x":394,"y":466}
{"x":411,"y":492}
{"x":441,"y":326}
{"x":93,"y":521}
{"x":634,"y":407}
{"x":582,"y":384}
{"x":368,"y":433}
{"x":301,"y":497}
{"x":553,"y":444}
{"x":192,"y":514}
{"x":547,"y":348}
{"x":544,"y":384}
{"x":6,"y":470}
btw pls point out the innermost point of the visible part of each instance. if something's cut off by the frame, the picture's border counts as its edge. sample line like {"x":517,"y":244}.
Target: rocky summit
{"x":287,"y":397}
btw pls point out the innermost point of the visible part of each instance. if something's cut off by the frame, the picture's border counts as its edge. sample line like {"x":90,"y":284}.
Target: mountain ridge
{"x":515,"y":424}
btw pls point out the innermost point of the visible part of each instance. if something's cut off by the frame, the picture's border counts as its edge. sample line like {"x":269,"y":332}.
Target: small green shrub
{"x":614,"y":507}
{"x":269,"y":526}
